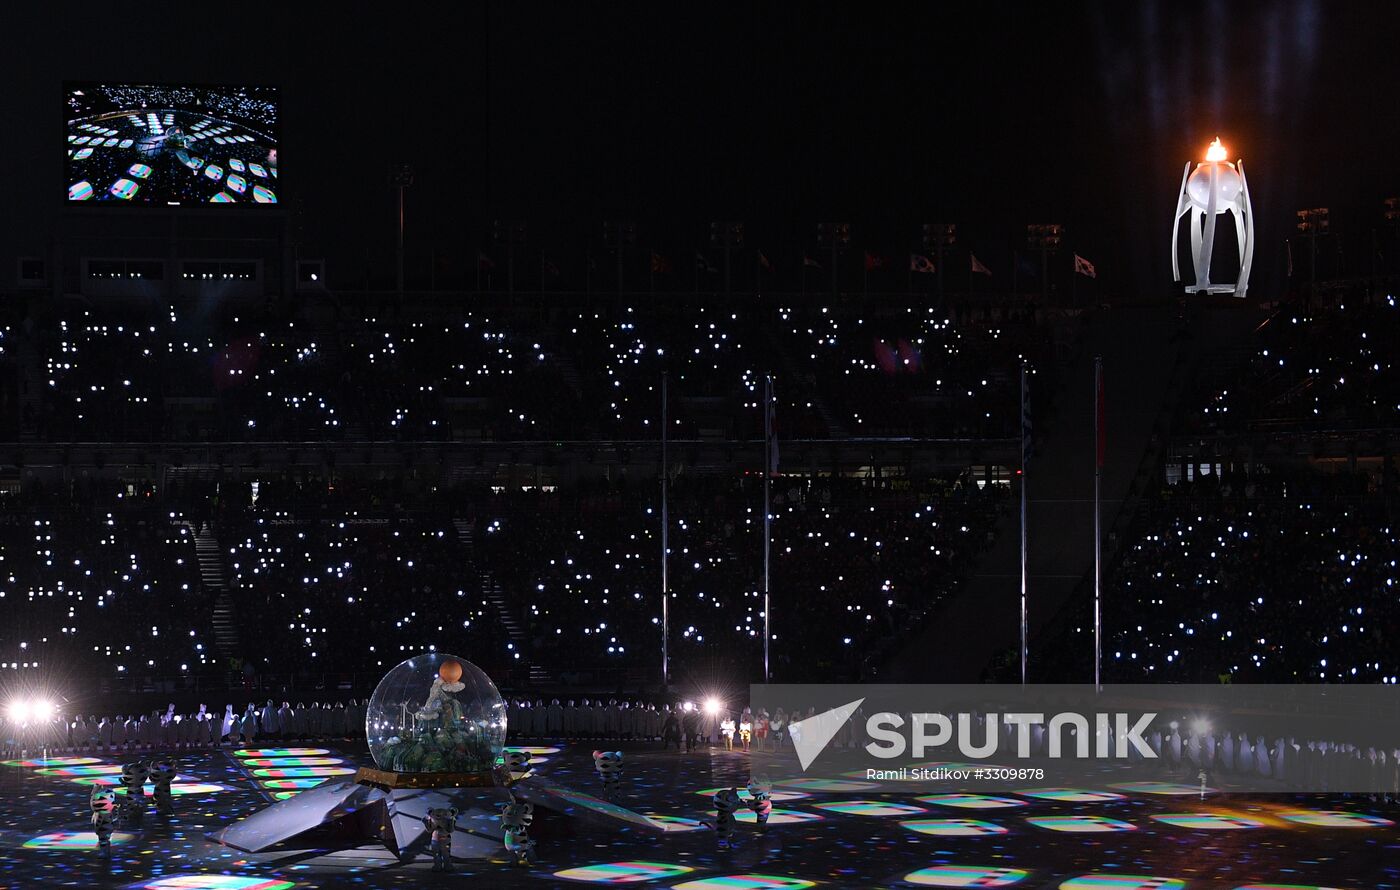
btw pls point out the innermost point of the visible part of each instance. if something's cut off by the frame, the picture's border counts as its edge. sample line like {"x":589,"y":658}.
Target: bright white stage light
{"x":712,"y":705}
{"x":42,"y":709}
{"x":1200,"y":726}
{"x":19,"y":711}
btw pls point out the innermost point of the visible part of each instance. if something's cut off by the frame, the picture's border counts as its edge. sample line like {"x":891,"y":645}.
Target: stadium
{"x":487,"y":504}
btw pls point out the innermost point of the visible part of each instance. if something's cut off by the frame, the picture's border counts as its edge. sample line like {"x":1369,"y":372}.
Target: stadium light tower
{"x":1215,"y":187}
{"x":836,"y":236}
{"x":727,"y":235}
{"x":510,"y":235}
{"x":939,"y":237}
{"x":1311,"y":223}
{"x":400,"y":177}
{"x":1046,"y":239}
{"x":618,"y":235}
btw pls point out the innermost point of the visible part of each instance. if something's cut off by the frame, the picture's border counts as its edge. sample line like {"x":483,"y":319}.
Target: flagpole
{"x":767,"y":515}
{"x":1098,"y":535}
{"x":1025,"y":447}
{"x":665,"y":532}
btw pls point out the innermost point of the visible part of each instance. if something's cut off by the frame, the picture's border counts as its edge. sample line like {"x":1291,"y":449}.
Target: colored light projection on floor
{"x":287,"y":772}
{"x":52,"y":761}
{"x":124,"y":189}
{"x":1283,"y":887}
{"x":972,"y":801}
{"x":1207,"y":821}
{"x":1335,"y":819}
{"x":775,"y":796}
{"x":216,"y":882}
{"x":97,"y":769}
{"x":1160,"y":788}
{"x":538,"y":754}
{"x":869,"y":808}
{"x":1070,"y":795}
{"x":292,"y":761}
{"x":827,"y":785}
{"x":73,"y":840}
{"x":300,"y":771}
{"x":113,"y":777}
{"x":965,"y":876}
{"x":1081,"y":823}
{"x":264,"y":195}
{"x":299,"y":784}
{"x":178,"y":789}
{"x":630,"y":872}
{"x":80,"y":191}
{"x":952,"y":827}
{"x":778,"y":816}
{"x":676,"y":823}
{"x":92,"y":771}
{"x":1122,"y":882}
{"x":745,"y":882}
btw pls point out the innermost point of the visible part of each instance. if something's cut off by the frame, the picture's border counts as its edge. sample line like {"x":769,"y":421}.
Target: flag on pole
{"x":873,"y":261}
{"x":770,"y":428}
{"x":483,"y":262}
{"x":703,"y":264}
{"x":1084,"y":267}
{"x":977,"y":265}
{"x":550,"y":269}
{"x":763,"y":262}
{"x":659,"y":264}
{"x":920,"y":263}
{"x":808,"y":261}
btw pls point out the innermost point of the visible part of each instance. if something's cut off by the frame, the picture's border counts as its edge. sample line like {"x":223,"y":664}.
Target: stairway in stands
{"x":492,"y":592}
{"x":211,"y":573}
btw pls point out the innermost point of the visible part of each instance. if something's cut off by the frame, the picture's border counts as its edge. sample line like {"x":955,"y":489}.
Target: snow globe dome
{"x":436,"y":713}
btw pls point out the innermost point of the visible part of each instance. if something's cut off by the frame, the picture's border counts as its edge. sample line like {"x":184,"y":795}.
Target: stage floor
{"x":845,"y":835}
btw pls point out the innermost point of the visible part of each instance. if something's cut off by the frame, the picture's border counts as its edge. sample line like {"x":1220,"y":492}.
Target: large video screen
{"x":171,"y":144}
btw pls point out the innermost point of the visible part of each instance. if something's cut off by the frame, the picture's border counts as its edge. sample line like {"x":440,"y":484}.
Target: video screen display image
{"x":171,"y":144}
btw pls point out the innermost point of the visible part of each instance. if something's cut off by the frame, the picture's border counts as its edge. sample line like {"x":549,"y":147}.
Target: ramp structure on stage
{"x":1216,"y":186}
{"x":436,"y":727}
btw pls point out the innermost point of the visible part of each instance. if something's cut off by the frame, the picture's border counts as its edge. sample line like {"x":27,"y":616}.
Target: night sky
{"x":990,"y":115}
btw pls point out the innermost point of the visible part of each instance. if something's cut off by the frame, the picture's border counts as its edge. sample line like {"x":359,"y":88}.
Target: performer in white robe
{"x":270,"y":727}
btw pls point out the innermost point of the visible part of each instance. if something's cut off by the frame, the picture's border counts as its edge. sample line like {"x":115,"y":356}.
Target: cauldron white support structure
{"x":1216,"y":186}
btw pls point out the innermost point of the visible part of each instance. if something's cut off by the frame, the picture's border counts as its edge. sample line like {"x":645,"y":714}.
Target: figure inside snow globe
{"x":436,"y":713}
